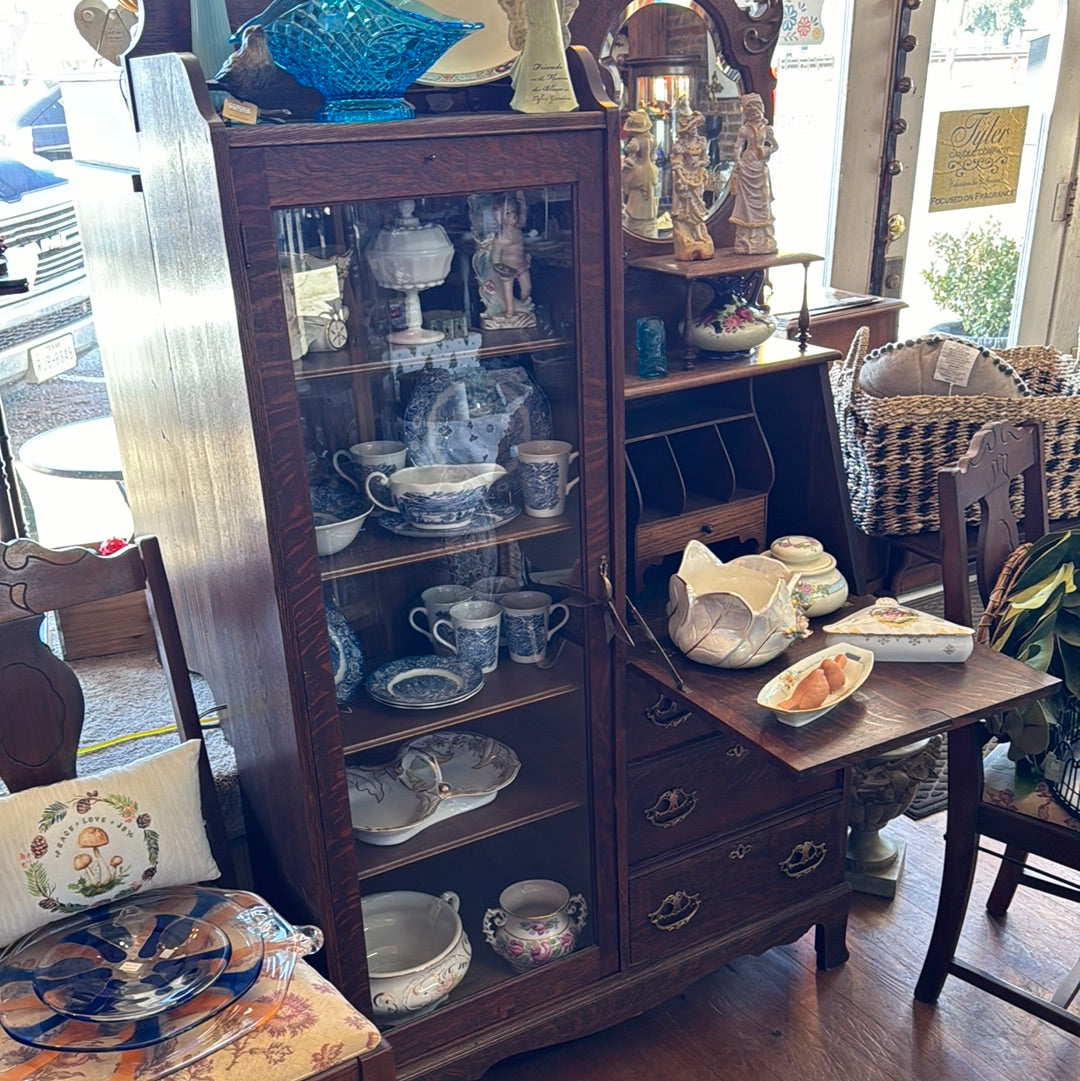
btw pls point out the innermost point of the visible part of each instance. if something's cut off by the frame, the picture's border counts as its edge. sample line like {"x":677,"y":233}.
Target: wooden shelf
{"x":724,"y":261}
{"x":366,"y":725}
{"x":776,"y":354}
{"x":376,"y":549}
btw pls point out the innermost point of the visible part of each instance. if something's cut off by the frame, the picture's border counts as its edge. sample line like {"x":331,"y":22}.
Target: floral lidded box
{"x":897,"y":633}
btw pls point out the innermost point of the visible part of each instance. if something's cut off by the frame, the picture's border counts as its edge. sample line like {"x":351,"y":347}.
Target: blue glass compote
{"x":361,"y":55}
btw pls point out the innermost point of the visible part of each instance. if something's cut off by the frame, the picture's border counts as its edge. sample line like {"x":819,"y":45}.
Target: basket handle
{"x":852,"y":364}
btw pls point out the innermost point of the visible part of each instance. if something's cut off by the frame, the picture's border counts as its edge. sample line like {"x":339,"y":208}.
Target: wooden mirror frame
{"x":748,"y":36}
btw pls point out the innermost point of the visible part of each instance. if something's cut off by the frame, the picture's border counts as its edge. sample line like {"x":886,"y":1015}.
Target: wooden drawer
{"x":654,"y":720}
{"x":735,"y":882}
{"x":708,"y":788}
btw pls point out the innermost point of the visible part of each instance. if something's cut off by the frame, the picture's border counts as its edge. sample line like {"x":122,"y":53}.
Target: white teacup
{"x":385,"y":456}
{"x":475,"y":625}
{"x":543,"y":466}
{"x":527,"y":626}
{"x":437,"y":602}
{"x":436,"y":496}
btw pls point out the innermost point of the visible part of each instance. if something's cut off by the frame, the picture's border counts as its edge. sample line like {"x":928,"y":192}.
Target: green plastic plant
{"x":973,"y":274}
{"x":996,"y":16}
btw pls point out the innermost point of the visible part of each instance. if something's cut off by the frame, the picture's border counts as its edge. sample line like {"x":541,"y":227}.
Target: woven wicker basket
{"x":894,"y":447}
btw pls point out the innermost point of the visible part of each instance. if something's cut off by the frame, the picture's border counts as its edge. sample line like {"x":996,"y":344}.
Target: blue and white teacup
{"x":543,"y":466}
{"x":475,"y":626}
{"x":436,"y":604}
{"x":385,"y":456}
{"x":436,"y":496}
{"x":527,"y":628}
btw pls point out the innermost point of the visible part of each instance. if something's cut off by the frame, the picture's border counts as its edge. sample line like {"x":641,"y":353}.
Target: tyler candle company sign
{"x":977,"y":162}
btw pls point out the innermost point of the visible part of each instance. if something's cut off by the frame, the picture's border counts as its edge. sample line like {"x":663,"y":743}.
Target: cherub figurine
{"x":540,"y":31}
{"x":689,"y":168}
{"x":639,"y":174}
{"x":752,"y":214}
{"x":502,"y":266}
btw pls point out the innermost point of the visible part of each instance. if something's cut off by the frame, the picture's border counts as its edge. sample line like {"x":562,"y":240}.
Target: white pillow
{"x":73,"y":845}
{"x":912,"y":367}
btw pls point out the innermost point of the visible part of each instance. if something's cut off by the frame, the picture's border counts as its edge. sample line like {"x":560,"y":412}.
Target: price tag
{"x":955,"y":362}
{"x":240,"y":112}
{"x":317,"y":291}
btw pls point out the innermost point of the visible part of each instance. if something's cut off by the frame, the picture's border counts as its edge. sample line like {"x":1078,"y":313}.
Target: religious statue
{"x":540,"y":32}
{"x":639,"y":174}
{"x":501,"y":264}
{"x":752,"y":214}
{"x":689,"y":168}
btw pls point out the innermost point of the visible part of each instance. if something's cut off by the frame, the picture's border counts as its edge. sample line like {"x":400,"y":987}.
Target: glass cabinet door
{"x":434,"y":347}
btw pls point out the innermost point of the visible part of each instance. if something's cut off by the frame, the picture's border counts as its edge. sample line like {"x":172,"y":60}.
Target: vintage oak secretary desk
{"x":228,"y":426}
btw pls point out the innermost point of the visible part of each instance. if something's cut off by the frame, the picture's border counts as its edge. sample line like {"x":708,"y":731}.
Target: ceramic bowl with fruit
{"x":811,"y":687}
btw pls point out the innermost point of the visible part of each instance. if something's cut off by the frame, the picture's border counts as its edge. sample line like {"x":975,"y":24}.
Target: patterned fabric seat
{"x":289,"y":1046}
{"x":1003,"y":788}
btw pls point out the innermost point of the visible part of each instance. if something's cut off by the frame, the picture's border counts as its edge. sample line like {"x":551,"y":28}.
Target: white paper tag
{"x":316,"y":290}
{"x":240,"y":112}
{"x":954,"y":363}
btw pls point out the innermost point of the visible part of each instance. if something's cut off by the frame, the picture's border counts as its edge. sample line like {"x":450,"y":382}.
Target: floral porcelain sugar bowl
{"x":537,"y":921}
{"x":733,"y":615}
{"x":821,"y":588}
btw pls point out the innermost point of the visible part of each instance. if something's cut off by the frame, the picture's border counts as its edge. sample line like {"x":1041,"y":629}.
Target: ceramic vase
{"x":537,"y":921}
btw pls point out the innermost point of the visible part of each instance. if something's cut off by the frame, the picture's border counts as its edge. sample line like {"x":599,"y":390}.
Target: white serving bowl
{"x":436,"y":496}
{"x":333,"y":534}
{"x":417,"y":951}
{"x":859,"y":664}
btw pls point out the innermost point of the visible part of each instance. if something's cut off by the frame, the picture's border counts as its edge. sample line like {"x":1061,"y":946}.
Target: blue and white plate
{"x":425,"y":682}
{"x":106,"y":1010}
{"x":491,"y":518}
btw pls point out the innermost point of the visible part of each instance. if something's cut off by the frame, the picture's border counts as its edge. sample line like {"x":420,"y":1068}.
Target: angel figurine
{"x":502,"y":264}
{"x":540,"y":32}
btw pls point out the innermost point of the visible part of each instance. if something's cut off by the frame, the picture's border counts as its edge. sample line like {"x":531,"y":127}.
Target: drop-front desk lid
{"x":898,"y":704}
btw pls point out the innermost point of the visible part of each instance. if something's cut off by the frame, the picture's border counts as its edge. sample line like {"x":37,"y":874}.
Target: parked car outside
{"x":41,"y":331}
{"x":39,"y":127}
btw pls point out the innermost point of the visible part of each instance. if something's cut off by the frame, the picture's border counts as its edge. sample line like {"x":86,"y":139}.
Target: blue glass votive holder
{"x":651,"y":347}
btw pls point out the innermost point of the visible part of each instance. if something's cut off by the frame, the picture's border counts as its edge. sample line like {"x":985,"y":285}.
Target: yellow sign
{"x":978,"y":158}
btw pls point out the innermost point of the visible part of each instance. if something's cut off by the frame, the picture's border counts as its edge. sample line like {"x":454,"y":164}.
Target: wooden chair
{"x":40,"y":724}
{"x":999,"y":452}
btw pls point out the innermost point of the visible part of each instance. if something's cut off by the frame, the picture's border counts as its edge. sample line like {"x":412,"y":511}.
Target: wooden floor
{"x":774,"y":1018}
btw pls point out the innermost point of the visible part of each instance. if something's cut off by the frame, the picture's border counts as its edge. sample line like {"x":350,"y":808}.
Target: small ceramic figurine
{"x":541,"y":79}
{"x":502,"y":264}
{"x":689,"y":166}
{"x":639,"y":174}
{"x":752,"y":214}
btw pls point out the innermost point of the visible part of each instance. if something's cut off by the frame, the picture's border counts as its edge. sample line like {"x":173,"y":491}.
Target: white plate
{"x":482,"y":56}
{"x":859,"y":664}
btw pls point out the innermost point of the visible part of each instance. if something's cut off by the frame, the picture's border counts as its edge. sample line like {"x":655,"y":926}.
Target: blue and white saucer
{"x":490,"y":518}
{"x":424,"y":682}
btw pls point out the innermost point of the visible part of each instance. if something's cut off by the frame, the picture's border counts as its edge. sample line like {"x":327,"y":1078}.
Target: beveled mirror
{"x":656,"y":52}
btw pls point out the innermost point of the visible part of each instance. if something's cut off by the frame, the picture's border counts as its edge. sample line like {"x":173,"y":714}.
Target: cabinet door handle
{"x":805,"y":858}
{"x":675,"y":911}
{"x":671,"y":807}
{"x":665,"y":713}
{"x":737,"y":750}
{"x":740,"y":851}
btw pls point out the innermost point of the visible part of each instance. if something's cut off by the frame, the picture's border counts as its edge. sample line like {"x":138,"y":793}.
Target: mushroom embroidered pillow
{"x":69,"y":846}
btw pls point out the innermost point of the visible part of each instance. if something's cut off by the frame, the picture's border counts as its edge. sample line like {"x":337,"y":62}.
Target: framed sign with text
{"x":977,"y":161}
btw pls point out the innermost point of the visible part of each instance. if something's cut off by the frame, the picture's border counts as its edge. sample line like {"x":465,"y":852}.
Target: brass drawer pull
{"x":675,"y":911}
{"x":665,"y":713}
{"x":737,"y":750}
{"x":671,"y":808}
{"x":740,"y":852}
{"x":804,"y":859}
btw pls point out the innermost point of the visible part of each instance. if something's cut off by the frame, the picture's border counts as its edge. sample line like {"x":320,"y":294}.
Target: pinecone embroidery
{"x":38,"y":847}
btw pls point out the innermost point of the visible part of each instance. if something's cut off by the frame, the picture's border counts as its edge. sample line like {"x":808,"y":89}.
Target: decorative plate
{"x":424,"y":682}
{"x":36,"y":968}
{"x":485,"y":55}
{"x":129,"y":964}
{"x":491,"y":518}
{"x":474,"y":415}
{"x":434,"y":777}
{"x":858,"y":663}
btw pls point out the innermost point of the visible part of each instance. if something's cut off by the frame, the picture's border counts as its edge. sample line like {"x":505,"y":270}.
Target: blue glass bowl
{"x":362,"y":55}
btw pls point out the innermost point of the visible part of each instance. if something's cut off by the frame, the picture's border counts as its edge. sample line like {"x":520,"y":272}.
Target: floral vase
{"x":537,"y":921}
{"x":730,"y":327}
